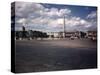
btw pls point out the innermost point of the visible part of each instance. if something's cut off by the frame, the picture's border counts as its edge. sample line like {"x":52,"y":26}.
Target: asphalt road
{"x":52,"y":55}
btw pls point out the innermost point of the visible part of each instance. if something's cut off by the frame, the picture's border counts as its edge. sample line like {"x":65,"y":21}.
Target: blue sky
{"x":81,"y":11}
{"x":49,"y":17}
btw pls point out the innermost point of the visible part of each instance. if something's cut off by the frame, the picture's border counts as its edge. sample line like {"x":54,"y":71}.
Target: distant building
{"x":75,"y":34}
{"x":69,"y":34}
{"x":53,"y":34}
{"x":92,"y":34}
{"x":60,"y":34}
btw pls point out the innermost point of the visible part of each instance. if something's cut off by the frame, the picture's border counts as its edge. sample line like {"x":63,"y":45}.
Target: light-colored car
{"x":94,"y":38}
{"x":72,"y":38}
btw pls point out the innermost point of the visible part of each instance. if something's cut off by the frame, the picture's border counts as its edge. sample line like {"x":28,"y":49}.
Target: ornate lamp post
{"x":23,"y":28}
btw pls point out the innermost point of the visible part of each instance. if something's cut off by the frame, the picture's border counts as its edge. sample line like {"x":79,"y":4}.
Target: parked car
{"x":72,"y":38}
{"x":94,"y":38}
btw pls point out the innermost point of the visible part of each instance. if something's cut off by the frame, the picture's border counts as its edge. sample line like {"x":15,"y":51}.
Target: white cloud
{"x":60,"y":21}
{"x":56,"y":12}
{"x":74,"y":21}
{"x":23,"y":9}
{"x":92,"y":19}
{"x":64,"y":12}
{"x":22,"y":20}
{"x":26,"y":9}
{"x":36,"y":15}
{"x":52,"y":12}
{"x":93,"y":14}
{"x":49,"y":23}
{"x":83,"y":22}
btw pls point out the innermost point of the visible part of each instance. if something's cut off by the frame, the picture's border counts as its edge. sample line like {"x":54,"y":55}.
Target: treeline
{"x":30,"y":34}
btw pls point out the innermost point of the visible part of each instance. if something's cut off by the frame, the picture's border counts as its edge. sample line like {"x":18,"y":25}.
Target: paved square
{"x":52,"y":55}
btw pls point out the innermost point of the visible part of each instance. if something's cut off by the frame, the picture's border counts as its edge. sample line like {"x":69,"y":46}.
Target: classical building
{"x":53,"y":34}
{"x":92,"y":34}
{"x":65,"y":35}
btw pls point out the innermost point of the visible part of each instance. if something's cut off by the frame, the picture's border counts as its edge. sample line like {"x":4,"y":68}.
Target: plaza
{"x":54,"y":55}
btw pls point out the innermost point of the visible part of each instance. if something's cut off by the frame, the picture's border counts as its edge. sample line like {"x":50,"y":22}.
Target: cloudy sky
{"x":49,"y":17}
